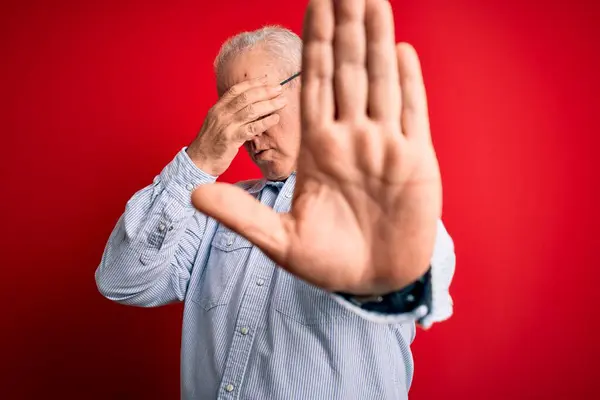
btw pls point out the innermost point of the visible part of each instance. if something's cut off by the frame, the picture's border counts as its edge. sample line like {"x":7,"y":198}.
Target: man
{"x":306,"y":284}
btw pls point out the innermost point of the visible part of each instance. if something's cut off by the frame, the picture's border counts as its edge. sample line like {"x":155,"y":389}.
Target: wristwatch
{"x":402,"y":301}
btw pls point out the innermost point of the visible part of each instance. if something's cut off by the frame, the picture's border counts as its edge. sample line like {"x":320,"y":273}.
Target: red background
{"x":96,"y":99}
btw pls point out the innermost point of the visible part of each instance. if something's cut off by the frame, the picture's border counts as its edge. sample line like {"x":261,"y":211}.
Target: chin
{"x":274,"y":171}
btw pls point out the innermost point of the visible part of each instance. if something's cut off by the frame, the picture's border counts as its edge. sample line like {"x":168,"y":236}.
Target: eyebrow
{"x":297,"y":74}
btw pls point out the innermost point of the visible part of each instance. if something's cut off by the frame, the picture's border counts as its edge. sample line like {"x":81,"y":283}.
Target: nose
{"x":255,"y":141}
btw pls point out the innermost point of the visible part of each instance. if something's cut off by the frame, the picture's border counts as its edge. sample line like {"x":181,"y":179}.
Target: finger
{"x":317,"y":104}
{"x":254,"y":111}
{"x":350,"y":74}
{"x":239,"y":211}
{"x":242,"y":87}
{"x":253,"y":95}
{"x":415,"y":118}
{"x":382,"y":64}
{"x":248,"y":131}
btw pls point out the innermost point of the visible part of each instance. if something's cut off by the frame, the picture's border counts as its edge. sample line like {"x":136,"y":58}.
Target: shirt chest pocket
{"x":297,"y":301}
{"x":229,"y":253}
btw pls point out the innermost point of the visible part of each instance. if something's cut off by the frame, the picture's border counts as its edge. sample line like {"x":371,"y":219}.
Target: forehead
{"x":250,"y":64}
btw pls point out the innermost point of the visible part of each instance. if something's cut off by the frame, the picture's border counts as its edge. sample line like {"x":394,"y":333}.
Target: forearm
{"x":149,"y":255}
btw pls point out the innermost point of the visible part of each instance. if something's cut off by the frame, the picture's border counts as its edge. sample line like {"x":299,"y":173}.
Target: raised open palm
{"x":368,"y":190}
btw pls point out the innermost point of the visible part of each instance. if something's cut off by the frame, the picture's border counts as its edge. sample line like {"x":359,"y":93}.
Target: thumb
{"x":242,"y":213}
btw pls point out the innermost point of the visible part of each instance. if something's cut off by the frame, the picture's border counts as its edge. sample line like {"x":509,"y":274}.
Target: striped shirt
{"x":251,"y":330}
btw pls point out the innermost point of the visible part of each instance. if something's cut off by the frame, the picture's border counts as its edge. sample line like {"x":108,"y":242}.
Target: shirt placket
{"x":253,"y":303}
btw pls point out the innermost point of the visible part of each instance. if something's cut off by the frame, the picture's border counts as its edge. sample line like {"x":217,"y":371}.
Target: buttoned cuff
{"x":181,"y":176}
{"x":443,"y":264}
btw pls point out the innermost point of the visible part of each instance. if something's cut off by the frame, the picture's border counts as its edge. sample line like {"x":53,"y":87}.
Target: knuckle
{"x":251,"y":111}
{"x":218,"y":111}
{"x":243,"y":98}
{"x":252,"y":128}
{"x":234,"y":91}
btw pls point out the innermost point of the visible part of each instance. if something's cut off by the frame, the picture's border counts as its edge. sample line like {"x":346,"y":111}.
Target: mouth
{"x":258,"y":154}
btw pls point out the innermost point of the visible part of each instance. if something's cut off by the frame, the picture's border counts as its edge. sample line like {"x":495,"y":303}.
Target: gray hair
{"x":284,"y":44}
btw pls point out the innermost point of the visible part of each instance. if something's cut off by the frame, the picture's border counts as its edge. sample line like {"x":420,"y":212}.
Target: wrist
{"x":203,"y":162}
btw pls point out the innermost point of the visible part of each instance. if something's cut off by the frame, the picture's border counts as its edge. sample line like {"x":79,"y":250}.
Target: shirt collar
{"x":261,"y":183}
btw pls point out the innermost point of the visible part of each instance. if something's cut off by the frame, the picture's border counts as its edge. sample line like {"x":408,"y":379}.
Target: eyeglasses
{"x":291,"y":78}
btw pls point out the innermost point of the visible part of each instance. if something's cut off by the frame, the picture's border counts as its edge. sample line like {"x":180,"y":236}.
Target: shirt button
{"x":189,"y":186}
{"x":288,"y":195}
{"x":229,"y":243}
{"x":260,"y":282}
{"x":410,"y":298}
{"x":229,"y":388}
{"x":161,"y":227}
{"x":244,"y":331}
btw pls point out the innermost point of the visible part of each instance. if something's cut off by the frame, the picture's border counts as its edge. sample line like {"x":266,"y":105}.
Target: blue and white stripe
{"x":251,"y":330}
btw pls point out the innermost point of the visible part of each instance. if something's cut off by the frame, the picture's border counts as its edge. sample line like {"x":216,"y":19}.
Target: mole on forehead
{"x":246,"y":69}
{"x":248,"y":75}
{"x":264,"y":70}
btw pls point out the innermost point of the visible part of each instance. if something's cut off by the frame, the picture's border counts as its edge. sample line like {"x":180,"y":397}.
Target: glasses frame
{"x":291,"y":78}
